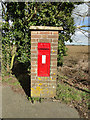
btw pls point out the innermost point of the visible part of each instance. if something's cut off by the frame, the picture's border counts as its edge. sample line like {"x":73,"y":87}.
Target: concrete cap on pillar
{"x":45,"y":28}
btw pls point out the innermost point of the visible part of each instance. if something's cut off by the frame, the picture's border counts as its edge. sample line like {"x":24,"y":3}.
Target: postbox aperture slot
{"x":43,"y":48}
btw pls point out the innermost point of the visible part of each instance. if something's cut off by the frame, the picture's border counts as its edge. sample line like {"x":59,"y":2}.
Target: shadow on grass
{"x":22,"y":75}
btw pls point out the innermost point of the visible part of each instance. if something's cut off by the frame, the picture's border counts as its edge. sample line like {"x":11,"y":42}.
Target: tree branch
{"x":87,"y":4}
{"x":83,"y":26}
{"x":81,"y":15}
{"x":85,"y":30}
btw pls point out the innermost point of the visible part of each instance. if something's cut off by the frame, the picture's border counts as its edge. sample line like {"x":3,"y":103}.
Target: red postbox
{"x":43,"y":59}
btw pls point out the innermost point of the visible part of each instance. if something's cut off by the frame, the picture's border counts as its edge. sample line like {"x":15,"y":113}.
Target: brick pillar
{"x":44,"y":86}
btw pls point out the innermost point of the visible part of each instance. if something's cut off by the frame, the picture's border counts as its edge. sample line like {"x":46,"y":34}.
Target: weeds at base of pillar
{"x":34,"y":99}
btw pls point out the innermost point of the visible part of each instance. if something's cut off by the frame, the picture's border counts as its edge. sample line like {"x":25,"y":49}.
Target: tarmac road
{"x":17,"y":106}
{"x":0,"y":101}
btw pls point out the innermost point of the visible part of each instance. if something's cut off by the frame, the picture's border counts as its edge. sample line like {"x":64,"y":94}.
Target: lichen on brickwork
{"x":40,"y":83}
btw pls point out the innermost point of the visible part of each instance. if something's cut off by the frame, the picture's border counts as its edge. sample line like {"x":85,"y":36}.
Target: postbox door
{"x":44,"y":59}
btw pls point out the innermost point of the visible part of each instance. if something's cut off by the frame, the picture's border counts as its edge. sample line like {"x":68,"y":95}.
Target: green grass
{"x":7,"y":79}
{"x":15,"y":83}
{"x":35,"y":99}
{"x":63,"y":77}
{"x":68,"y":94}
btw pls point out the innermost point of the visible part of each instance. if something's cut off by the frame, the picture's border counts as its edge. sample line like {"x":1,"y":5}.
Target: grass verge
{"x":70,"y":95}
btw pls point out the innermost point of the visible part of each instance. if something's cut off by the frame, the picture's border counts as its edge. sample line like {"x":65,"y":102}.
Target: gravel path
{"x":17,"y":106}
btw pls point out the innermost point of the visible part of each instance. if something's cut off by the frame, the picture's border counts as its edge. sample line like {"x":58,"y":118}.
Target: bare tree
{"x":81,"y":15}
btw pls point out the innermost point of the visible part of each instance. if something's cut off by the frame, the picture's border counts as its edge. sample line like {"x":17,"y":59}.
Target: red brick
{"x":52,"y":36}
{"x":54,"y":44}
{"x":34,"y":40}
{"x":35,"y":36}
{"x":54,"y":71}
{"x":33,"y":62}
{"x":54,"y":67}
{"x":34,"y":44}
{"x":44,"y":36}
{"x":55,"y":41}
{"x":55,"y":32}
{"x":33,"y":59}
{"x":46,"y":82}
{"x":34,"y":67}
{"x":34,"y":52}
{"x":45,"y":32}
{"x":33,"y":77}
{"x":53,"y":59}
{"x":45,"y":41}
{"x":33,"y":70}
{"x":34,"y":74}
{"x":33,"y":55}
{"x":33,"y":48}
{"x":54,"y":48}
{"x":54,"y":63}
{"x":51,"y":82}
{"x":32,"y":85}
{"x":34,"y":81}
{"x":54,"y":56}
{"x":34,"y":32}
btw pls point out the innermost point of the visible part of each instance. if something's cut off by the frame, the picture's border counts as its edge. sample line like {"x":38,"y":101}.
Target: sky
{"x":0,"y":12}
{"x":78,"y":38}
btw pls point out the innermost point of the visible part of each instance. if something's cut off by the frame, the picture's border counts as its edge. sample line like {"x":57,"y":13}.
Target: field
{"x":72,"y":79}
{"x":76,"y":53}
{"x":77,"y":60}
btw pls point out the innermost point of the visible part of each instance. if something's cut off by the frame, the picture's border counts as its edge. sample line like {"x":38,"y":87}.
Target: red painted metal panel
{"x":44,"y":59}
